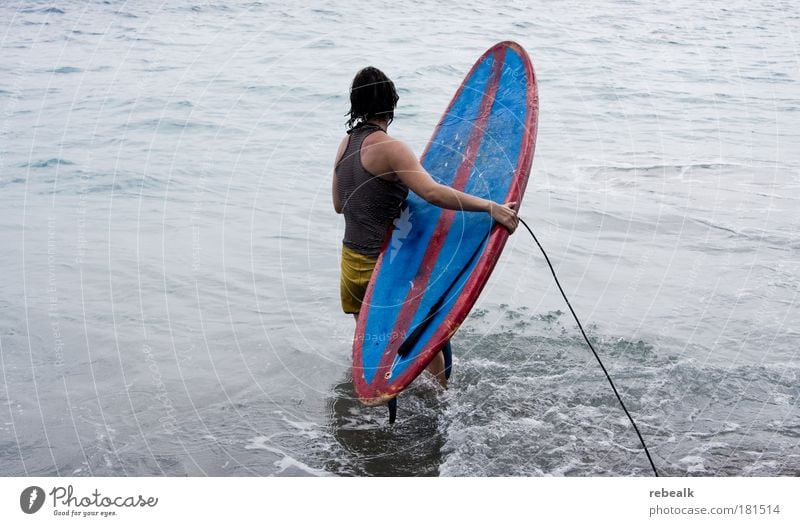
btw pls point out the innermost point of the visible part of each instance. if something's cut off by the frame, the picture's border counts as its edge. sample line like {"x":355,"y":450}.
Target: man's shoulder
{"x":382,"y":141}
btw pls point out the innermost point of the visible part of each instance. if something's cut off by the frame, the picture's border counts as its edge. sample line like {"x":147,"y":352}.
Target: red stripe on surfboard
{"x":483,"y":268}
{"x":415,"y":294}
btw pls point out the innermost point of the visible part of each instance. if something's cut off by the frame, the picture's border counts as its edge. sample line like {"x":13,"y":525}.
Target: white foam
{"x":695,"y":464}
{"x":286,"y":461}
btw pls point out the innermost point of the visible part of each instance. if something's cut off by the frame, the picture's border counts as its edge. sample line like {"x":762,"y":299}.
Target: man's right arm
{"x":408,"y":168}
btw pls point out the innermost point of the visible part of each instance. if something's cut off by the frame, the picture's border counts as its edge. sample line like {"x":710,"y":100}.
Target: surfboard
{"x":436,"y":262}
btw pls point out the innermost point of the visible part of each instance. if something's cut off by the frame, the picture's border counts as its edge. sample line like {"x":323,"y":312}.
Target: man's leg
{"x":440,"y":366}
{"x":447,"y":353}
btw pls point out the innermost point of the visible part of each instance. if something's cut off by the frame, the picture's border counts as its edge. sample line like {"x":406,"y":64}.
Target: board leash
{"x":589,"y":343}
{"x":411,"y":340}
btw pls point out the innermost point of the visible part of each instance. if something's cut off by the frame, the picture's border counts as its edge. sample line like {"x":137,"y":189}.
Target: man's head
{"x":372,"y":96}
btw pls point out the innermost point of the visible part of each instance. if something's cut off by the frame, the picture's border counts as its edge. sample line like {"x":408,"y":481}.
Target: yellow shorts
{"x":356,"y":272}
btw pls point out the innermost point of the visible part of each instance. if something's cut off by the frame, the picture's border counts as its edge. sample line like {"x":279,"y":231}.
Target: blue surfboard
{"x":435,"y":262}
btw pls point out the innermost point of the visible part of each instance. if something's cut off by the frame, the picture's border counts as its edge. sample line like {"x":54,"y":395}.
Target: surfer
{"x":372,"y":175}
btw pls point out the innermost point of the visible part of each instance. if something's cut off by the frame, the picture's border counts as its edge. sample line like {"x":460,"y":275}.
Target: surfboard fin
{"x":392,"y":410}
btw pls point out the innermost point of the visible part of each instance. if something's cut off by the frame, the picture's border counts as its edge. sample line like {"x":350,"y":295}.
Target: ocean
{"x":170,"y":254}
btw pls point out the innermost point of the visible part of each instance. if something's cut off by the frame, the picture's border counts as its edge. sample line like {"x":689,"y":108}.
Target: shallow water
{"x":169,"y":292}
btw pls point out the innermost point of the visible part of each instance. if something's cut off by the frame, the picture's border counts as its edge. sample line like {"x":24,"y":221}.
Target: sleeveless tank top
{"x":370,"y":203}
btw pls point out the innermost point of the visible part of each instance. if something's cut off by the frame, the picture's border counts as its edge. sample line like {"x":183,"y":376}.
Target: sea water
{"x":169,"y":263}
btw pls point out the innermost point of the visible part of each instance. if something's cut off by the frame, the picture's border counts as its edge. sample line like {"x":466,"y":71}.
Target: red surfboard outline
{"x":378,"y":391}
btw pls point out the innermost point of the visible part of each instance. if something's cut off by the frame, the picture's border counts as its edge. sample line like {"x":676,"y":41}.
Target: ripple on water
{"x":65,"y":70}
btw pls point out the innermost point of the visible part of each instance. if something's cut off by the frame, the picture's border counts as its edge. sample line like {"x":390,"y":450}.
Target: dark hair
{"x":371,"y":95}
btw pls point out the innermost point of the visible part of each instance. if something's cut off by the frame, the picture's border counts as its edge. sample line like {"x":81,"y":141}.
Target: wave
{"x":63,"y":70}
{"x":47,"y":163}
{"x":647,"y":168}
{"x":535,"y":405}
{"x":46,"y":10}
{"x":171,"y":125}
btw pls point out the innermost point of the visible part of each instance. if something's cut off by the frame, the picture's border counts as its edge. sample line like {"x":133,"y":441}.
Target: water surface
{"x":169,"y":286}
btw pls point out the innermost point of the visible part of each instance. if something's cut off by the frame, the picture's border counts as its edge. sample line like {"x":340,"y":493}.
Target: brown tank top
{"x":369,"y":203}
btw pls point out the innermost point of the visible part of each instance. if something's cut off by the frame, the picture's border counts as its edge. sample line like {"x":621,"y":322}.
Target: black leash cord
{"x":647,"y":452}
